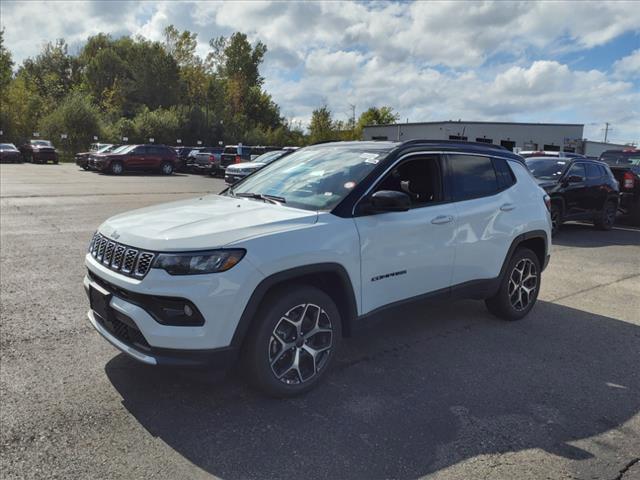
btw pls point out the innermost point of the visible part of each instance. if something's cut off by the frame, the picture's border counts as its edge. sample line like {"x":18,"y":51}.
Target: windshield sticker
{"x":562,"y":163}
{"x":349,"y":185}
{"x":316,"y":173}
{"x":370,"y":157}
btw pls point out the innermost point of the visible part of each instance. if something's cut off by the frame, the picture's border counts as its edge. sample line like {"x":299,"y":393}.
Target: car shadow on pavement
{"x":585,"y":235}
{"x":419,"y":392}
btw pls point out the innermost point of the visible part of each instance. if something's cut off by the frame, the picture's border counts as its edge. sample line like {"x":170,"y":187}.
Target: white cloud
{"x":628,"y":66}
{"x":428,"y":60}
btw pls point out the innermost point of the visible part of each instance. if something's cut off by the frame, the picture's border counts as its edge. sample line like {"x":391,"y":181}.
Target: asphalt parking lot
{"x":444,"y":391}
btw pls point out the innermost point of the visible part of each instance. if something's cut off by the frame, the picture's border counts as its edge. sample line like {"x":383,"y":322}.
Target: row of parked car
{"x":35,"y":151}
{"x":583,"y":188}
{"x":233,"y":161}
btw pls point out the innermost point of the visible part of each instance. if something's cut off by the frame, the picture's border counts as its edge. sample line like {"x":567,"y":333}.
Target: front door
{"x":407,"y":254}
{"x":576,"y":192}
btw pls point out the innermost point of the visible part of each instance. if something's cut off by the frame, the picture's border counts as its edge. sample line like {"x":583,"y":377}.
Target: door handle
{"x":442,"y":219}
{"x":507,"y":207}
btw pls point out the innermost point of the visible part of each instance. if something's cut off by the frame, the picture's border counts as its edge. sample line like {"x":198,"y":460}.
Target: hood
{"x":202,"y":223}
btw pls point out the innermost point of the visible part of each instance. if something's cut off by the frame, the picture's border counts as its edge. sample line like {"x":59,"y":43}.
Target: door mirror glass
{"x":389,"y":201}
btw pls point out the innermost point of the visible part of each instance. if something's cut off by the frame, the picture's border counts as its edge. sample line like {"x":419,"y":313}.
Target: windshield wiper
{"x":261,"y":196}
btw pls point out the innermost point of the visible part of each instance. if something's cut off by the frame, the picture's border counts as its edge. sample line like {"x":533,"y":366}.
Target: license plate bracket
{"x":99,"y":299}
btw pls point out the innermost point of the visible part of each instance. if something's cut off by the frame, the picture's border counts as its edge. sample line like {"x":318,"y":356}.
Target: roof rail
{"x":457,"y":142}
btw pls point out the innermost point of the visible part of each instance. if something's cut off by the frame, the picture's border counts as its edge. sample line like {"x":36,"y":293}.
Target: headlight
{"x":198,"y":262}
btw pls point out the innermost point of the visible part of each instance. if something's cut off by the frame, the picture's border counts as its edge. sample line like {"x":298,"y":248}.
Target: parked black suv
{"x":580,"y":189}
{"x":625,"y":165}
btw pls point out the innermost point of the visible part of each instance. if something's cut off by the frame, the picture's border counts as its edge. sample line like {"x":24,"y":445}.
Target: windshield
{"x":314,"y":178}
{"x":7,"y":146}
{"x":269,"y":156}
{"x":105,"y":148}
{"x":632,"y":159}
{"x":41,"y":143}
{"x":122,"y":148}
{"x":546,"y":168}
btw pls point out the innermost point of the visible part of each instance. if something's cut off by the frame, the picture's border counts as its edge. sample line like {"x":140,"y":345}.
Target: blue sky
{"x":576,"y":62}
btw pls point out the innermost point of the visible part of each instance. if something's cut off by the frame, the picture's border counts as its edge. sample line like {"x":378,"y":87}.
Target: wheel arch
{"x":535,"y":240}
{"x":332,"y":278}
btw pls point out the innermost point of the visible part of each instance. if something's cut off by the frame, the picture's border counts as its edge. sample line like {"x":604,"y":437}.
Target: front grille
{"x":120,"y":258}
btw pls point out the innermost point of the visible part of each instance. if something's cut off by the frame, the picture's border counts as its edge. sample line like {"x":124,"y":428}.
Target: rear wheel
{"x":605,"y":219}
{"x":116,"y":168}
{"x":166,"y":168}
{"x":519,"y":288}
{"x":293,"y":341}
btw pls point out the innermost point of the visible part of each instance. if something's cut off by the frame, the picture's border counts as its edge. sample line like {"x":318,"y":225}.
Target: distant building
{"x":594,"y":149}
{"x":514,"y":136}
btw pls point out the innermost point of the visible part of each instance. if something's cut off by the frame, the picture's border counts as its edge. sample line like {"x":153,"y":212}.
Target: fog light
{"x":188,"y":311}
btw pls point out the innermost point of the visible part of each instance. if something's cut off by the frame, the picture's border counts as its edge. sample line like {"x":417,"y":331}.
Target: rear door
{"x":487,"y":210}
{"x":597,"y":187}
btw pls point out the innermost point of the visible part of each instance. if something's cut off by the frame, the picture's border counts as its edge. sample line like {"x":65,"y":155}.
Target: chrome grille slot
{"x":118,"y":255}
{"x":101,"y":248}
{"x":129,"y":261}
{"x":108,"y":253}
{"x":121,"y":258}
{"x":144,"y":263}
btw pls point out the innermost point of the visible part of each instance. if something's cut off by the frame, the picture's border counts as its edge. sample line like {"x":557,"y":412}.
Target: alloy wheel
{"x":300,"y":344}
{"x":523,"y":284}
{"x":167,"y":169}
{"x":609,"y":215}
{"x":116,"y":168}
{"x":555,"y":220}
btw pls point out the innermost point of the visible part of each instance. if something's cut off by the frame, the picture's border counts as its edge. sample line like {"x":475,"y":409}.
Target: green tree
{"x":322,"y":127}
{"x":375,"y":116}
{"x":163,"y":125}
{"x":6,"y":65}
{"x":75,"y":117}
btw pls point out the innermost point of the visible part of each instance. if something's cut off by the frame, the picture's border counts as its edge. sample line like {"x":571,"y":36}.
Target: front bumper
{"x":220,"y":298}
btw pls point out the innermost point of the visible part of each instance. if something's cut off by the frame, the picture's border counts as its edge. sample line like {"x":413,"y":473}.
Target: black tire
{"x":605,"y":219}
{"x":556,"y":218}
{"x":634,"y":215}
{"x":116,"y":168}
{"x":504,"y":303}
{"x":166,"y":168}
{"x":265,"y":356}
{"x":85,"y":167}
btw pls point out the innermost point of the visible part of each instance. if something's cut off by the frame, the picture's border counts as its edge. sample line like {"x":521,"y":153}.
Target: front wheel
{"x":116,"y":168}
{"x":519,"y":287}
{"x":293,"y":341}
{"x":556,"y":218}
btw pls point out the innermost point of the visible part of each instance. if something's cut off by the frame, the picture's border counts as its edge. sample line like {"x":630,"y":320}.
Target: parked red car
{"x":159,"y":158}
{"x":39,"y":151}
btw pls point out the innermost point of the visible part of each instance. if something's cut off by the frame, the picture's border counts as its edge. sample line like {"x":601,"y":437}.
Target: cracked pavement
{"x":444,"y":391}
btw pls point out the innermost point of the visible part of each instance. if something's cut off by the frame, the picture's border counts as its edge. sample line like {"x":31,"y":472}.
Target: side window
{"x":472,"y":176}
{"x":577,"y":169}
{"x":503,"y":173}
{"x":593,"y":171}
{"x":140,"y":151}
{"x":418,"y":177}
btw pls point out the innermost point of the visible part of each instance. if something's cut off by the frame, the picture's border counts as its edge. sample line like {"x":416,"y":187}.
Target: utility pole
{"x":606,"y":131}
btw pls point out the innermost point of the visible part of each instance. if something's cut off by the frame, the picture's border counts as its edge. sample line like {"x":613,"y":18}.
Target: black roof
{"x":436,"y":145}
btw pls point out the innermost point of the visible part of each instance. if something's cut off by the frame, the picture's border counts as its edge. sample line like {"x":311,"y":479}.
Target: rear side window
{"x":473,"y":176}
{"x":503,"y":173}
{"x":593,"y":172}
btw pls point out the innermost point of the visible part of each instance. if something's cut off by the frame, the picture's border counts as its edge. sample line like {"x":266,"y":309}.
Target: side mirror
{"x":575,"y":179}
{"x":389,"y":201}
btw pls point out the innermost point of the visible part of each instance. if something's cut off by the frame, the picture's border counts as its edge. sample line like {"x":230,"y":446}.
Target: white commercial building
{"x":514,"y":136}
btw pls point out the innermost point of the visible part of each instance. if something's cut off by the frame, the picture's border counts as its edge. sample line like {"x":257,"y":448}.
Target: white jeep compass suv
{"x":278,"y":268}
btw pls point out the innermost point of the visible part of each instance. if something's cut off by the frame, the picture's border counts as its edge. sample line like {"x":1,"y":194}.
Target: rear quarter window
{"x":504,"y":175}
{"x":472,"y":176}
